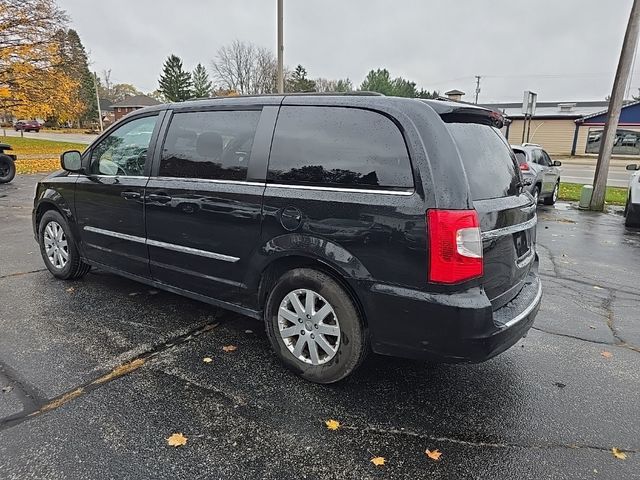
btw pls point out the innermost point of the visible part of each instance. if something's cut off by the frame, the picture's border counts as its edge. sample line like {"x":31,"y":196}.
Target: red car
{"x":27,"y":126}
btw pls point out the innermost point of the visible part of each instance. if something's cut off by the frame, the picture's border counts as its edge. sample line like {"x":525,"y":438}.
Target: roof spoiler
{"x":474,"y":115}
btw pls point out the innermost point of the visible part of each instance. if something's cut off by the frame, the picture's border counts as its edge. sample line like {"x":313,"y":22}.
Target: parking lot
{"x":96,"y":374}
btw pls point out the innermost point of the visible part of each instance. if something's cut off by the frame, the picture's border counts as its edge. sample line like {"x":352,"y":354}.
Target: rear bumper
{"x":449,"y":328}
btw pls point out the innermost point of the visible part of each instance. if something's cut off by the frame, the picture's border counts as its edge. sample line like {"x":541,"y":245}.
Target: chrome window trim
{"x":167,"y":246}
{"x":210,"y":180}
{"x":499,"y":232}
{"x":527,"y":310}
{"x":342,"y":189}
{"x":100,"y":175}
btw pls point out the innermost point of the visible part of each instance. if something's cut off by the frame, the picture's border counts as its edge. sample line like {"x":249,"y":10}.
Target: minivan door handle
{"x":159,"y":197}
{"x":130,"y":195}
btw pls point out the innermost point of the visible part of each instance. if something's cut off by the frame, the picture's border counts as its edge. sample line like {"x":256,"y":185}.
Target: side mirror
{"x":633,"y":166}
{"x":557,"y":163}
{"x":71,"y":161}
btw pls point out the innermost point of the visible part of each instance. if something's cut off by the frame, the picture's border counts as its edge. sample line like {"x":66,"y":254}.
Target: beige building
{"x":558,"y":127}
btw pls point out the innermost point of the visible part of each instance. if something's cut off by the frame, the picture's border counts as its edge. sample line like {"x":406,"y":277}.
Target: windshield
{"x":488,"y":160}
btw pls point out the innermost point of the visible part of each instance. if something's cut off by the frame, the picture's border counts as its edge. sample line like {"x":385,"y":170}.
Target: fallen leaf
{"x":332,"y":424}
{"x":71,"y":289}
{"x":248,"y":331}
{"x":229,"y":348}
{"x":177,"y":440}
{"x":560,"y":385}
{"x":597,"y":287}
{"x":592,"y":327}
{"x":606,"y":354}
{"x":378,"y":461}
{"x":7,"y":389}
{"x":433,"y":454}
{"x":619,"y":454}
{"x":207,"y":359}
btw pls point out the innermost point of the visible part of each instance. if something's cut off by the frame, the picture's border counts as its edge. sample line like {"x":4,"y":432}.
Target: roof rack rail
{"x":355,"y":93}
{"x":526,"y":144}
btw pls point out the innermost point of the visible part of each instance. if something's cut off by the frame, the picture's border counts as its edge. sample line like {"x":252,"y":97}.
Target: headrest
{"x":209,"y":145}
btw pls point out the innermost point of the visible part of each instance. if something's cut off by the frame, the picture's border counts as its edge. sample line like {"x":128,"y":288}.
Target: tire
{"x":73,"y":267}
{"x":535,"y":193}
{"x":7,"y":169}
{"x":551,"y":199}
{"x":349,"y":344}
{"x":632,"y":214}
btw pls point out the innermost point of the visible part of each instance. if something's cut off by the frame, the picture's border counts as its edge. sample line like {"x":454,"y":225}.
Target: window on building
{"x":210,"y":145}
{"x":343,"y":147}
{"x":627,"y":142}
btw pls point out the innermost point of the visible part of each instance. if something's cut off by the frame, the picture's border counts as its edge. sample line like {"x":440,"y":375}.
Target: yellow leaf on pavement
{"x":606,"y":354}
{"x":619,"y":454}
{"x":332,"y":424}
{"x":229,"y":348}
{"x":378,"y":461}
{"x":177,"y":440}
{"x":71,"y":289}
{"x":207,"y":359}
{"x":433,"y":454}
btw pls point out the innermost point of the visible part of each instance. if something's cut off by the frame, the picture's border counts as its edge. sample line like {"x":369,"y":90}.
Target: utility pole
{"x":280,"y":47}
{"x":478,"y":77}
{"x":615,"y":107}
{"x":95,"y":85}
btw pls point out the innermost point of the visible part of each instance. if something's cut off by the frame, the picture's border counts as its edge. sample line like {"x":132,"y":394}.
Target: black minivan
{"x":347,"y":223}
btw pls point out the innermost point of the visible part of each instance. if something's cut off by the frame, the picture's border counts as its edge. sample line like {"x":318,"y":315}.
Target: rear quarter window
{"x":521,"y":157}
{"x":337,"y":146}
{"x":488,"y":160}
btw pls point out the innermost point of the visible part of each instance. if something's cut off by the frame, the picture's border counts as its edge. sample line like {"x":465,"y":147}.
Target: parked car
{"x":7,"y":164}
{"x":632,"y":207}
{"x":541,"y":174}
{"x":351,"y":222}
{"x":27,"y":125}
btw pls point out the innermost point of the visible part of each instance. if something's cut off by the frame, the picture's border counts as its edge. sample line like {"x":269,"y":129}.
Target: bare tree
{"x":245,"y":68}
{"x":327,"y":85}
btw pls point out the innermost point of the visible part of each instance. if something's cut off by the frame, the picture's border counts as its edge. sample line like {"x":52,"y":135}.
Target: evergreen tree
{"x":201,"y":84}
{"x":175,"y":83}
{"x":378,"y":81}
{"x":74,"y":63}
{"x":299,"y":81}
{"x":80,"y":62}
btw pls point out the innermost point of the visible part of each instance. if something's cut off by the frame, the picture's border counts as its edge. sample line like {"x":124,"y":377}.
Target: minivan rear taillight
{"x":524,"y":167}
{"x":455,"y":246}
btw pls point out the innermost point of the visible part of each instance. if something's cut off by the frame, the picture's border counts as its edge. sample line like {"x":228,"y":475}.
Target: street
{"x":96,"y":374}
{"x":48,"y":135}
{"x":582,"y":172}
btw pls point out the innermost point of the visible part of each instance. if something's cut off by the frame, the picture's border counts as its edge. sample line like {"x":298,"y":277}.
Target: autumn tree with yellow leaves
{"x":33,"y":79}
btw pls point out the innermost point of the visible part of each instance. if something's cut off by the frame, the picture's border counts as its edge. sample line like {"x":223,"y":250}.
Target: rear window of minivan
{"x":487,"y":159}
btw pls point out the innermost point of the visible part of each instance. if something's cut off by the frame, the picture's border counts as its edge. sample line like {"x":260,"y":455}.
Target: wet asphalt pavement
{"x":551,"y":407}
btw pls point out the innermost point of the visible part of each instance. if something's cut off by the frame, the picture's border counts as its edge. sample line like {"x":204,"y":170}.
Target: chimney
{"x":454,"y":95}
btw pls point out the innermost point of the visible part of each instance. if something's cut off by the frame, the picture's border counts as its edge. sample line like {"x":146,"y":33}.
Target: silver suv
{"x":540,"y":173}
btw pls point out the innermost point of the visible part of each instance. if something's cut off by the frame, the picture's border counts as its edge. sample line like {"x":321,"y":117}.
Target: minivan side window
{"x":214,"y":145}
{"x":124,"y":151}
{"x":488,"y":160}
{"x":335,"y":146}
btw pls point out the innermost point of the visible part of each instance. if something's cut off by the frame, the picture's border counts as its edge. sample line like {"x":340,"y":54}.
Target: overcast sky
{"x":562,"y":49}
